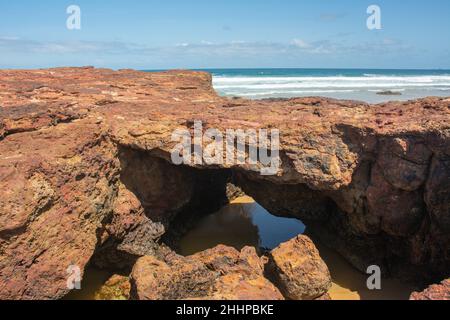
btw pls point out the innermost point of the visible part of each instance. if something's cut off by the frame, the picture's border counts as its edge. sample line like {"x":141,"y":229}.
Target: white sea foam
{"x":330,"y":85}
{"x":222,"y":81}
{"x":219,"y":80}
{"x":300,"y":92}
{"x":369,"y":84}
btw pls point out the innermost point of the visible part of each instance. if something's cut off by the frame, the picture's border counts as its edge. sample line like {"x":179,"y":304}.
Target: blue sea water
{"x":240,"y":224}
{"x":355,"y":84}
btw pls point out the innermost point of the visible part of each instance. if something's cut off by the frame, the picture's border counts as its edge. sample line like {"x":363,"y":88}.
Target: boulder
{"x":235,"y":286}
{"x":241,"y":274}
{"x":222,"y":273}
{"x":298,"y":271}
{"x":177,"y":278}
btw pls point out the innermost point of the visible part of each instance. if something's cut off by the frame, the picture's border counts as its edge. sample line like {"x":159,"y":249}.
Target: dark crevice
{"x":173,"y":198}
{"x":177,"y":197}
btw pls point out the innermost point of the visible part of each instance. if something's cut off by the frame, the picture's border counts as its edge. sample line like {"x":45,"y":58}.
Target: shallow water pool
{"x":245,"y":223}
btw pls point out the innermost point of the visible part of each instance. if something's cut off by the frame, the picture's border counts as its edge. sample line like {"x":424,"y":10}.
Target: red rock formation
{"x":434,"y":292}
{"x":221,"y":273}
{"x":116,"y":288}
{"x":179,"y":278}
{"x":298,"y":270}
{"x":58,"y":185}
{"x":378,"y":175}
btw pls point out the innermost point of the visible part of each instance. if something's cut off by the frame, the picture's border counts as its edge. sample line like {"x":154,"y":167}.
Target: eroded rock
{"x":222,"y":273}
{"x":241,"y":274}
{"x":178,"y":278}
{"x":116,"y":288}
{"x":58,"y":186}
{"x":435,"y":292}
{"x":64,"y":132}
{"x":298,"y":270}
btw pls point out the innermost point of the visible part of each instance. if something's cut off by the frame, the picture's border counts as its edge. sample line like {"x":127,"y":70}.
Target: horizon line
{"x":230,"y":68}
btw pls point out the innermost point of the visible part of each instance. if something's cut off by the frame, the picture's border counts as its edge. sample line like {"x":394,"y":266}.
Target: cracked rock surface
{"x":372,"y":180}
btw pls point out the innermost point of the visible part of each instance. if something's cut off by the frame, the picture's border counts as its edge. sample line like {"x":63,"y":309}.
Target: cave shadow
{"x":349,"y":282}
{"x":249,"y":224}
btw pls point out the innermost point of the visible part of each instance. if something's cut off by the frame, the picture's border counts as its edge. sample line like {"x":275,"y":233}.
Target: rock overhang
{"x":61,"y":131}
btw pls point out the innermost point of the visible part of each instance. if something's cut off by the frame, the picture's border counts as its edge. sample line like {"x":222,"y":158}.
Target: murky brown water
{"x":245,"y":223}
{"x":350,"y":284}
{"x":93,"y":281}
{"x":242,"y":223}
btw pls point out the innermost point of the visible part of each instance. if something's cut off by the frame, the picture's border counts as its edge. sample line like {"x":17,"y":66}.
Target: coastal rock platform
{"x":86,"y":173}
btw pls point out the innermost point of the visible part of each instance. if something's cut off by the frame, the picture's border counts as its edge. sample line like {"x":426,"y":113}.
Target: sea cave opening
{"x":200,"y":211}
{"x":244,"y":222}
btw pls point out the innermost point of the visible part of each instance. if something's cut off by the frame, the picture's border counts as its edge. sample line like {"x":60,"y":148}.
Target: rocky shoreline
{"x":86,"y":178}
{"x":294,"y":271}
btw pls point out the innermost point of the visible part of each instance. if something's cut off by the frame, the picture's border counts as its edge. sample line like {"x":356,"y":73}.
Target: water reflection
{"x":245,"y":223}
{"x":350,"y":284}
{"x":242,"y":223}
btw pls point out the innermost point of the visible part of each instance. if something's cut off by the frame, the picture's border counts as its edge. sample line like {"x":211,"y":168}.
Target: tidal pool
{"x":245,"y":223}
{"x":241,"y":223}
{"x":93,"y":280}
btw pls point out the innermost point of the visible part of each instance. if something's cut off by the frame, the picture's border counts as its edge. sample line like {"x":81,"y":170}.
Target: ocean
{"x":355,"y":84}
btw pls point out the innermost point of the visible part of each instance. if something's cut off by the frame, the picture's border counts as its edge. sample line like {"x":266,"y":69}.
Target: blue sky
{"x":159,"y":34}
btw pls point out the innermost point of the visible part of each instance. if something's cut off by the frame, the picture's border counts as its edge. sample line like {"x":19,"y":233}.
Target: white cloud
{"x":299,"y":43}
{"x":257,"y":51}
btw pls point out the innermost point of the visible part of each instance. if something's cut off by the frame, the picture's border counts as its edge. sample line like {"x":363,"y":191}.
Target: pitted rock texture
{"x":298,"y":270}
{"x":57,"y":185}
{"x":241,"y":274}
{"x":435,"y":292}
{"x":116,"y":288}
{"x":382,"y":171}
{"x":221,"y":273}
